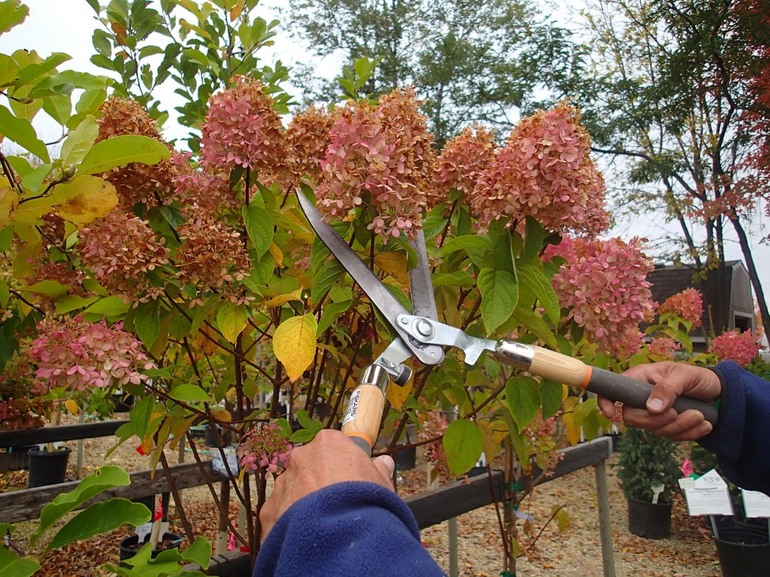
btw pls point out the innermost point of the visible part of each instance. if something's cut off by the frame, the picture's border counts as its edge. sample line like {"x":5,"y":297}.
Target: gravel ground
{"x":689,"y":552}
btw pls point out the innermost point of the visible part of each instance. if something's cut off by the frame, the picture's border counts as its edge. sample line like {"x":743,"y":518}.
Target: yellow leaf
{"x":71,"y":406}
{"x":236,"y":10}
{"x":9,"y":200}
{"x":562,"y":517}
{"x":276,"y":253}
{"x":397,"y":395}
{"x":570,"y":424}
{"x":393,"y":263}
{"x":280,"y":300}
{"x":294,"y":344}
{"x":222,"y":415}
{"x":492,"y":434}
{"x":85,"y":199}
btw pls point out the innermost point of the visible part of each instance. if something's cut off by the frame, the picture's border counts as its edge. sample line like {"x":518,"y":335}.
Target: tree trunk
{"x":752,"y":269}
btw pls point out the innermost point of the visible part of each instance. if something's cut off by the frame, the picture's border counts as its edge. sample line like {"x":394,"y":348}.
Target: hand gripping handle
{"x":574,"y":372}
{"x":364,"y":413}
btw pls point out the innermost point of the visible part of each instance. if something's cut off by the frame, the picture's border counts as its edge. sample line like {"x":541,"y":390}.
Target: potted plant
{"x":648,"y":471}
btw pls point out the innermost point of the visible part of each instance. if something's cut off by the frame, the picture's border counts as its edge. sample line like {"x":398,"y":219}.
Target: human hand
{"x":670,"y":381}
{"x":330,"y":458}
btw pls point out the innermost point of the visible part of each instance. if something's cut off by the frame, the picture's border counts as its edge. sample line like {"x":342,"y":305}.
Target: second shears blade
{"x":385,"y":302}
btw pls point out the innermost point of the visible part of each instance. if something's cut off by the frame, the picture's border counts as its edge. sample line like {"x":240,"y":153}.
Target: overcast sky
{"x":66,"y":26}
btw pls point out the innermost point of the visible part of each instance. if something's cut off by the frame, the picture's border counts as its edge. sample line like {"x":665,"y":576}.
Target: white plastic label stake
{"x":708,"y":495}
{"x":755,"y":504}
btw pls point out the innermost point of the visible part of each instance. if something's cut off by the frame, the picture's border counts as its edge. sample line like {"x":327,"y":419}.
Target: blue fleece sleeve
{"x":346,"y":529}
{"x":741,"y":438}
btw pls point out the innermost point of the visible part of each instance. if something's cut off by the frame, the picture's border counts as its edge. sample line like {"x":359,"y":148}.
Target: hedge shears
{"x":421,"y":335}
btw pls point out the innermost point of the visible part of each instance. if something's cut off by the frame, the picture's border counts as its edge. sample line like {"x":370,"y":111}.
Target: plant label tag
{"x":708,"y":495}
{"x":755,"y":504}
{"x":143,"y":531}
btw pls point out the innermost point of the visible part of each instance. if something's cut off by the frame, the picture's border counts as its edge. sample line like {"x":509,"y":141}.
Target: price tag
{"x":708,"y":495}
{"x":218,"y":464}
{"x":755,"y":504}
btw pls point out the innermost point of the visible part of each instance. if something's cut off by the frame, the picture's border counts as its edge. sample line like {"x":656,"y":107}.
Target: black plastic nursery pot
{"x":649,"y":520}
{"x":743,"y":547}
{"x":47,"y":467}
{"x":130,"y":545}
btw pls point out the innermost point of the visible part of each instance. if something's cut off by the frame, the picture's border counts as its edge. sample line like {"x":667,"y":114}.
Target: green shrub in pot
{"x":646,"y":461}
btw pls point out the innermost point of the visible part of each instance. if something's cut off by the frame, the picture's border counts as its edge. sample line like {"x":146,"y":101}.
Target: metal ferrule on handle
{"x":364,"y":413}
{"x":574,"y":372}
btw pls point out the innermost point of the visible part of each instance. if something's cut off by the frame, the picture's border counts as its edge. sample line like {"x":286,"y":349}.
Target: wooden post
{"x":605,"y":527}
{"x":222,"y":526}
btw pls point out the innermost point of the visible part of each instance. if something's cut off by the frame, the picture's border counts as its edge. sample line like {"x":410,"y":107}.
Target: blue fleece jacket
{"x":741,"y":438}
{"x":347,"y":529}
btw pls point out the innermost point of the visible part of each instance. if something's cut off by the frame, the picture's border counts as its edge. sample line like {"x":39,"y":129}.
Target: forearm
{"x":741,"y":439}
{"x":351,"y":528}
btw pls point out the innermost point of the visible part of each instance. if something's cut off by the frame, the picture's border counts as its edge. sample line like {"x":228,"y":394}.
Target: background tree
{"x":470,"y":61}
{"x":669,"y":98}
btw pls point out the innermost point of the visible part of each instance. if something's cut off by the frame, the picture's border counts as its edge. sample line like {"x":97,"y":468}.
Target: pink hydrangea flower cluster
{"x":201,"y":186}
{"x":462,"y":161}
{"x":308,"y":138}
{"x":735,"y":345}
{"x":379,"y":157}
{"x":663,"y":347}
{"x":687,"y":304}
{"x":243,"y":129}
{"x":432,"y":426}
{"x":604,"y":285}
{"x":79,"y":355}
{"x":120,"y":250}
{"x":264,"y":447}
{"x":545,"y":171}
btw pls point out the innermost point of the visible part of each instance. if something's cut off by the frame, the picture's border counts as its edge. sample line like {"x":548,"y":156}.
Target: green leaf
{"x":331,"y":313}
{"x":146,"y":319}
{"x":533,"y":240}
{"x":49,"y":288}
{"x":99,"y":519}
{"x":190,"y":394}
{"x":537,"y":326}
{"x":467,"y":242}
{"x":13,"y":566}
{"x":463,"y":444}
{"x":20,"y":130}
{"x":552,"y":394}
{"x":259,"y":227}
{"x":12,"y":13}
{"x":325,"y":278}
{"x":79,"y":141}
{"x":499,"y":296}
{"x":523,"y":396}
{"x":535,"y":280}
{"x":122,"y":150}
{"x":109,"y":307}
{"x":232,"y":319}
{"x":199,"y":552}
{"x":458,"y":278}
{"x":103,"y":478}
{"x":140,"y":415}
{"x":73,"y":303}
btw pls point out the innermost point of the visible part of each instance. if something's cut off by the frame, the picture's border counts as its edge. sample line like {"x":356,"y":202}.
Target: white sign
{"x":707,"y":495}
{"x":755,"y":504}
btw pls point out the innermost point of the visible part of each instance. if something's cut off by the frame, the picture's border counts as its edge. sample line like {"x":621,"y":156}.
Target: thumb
{"x":385,"y":465}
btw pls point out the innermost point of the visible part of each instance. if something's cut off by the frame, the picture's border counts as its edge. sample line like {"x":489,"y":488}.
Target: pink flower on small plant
{"x":687,"y":304}
{"x":663,"y":347}
{"x":735,"y":345}
{"x":264,"y":447}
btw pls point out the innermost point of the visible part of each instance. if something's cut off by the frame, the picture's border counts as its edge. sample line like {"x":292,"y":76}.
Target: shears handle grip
{"x":364,"y":413}
{"x":574,"y":372}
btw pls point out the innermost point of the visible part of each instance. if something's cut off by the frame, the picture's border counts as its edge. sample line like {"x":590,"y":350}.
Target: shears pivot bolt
{"x":424,"y":328}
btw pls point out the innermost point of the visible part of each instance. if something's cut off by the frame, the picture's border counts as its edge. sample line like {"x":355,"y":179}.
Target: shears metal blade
{"x":421,"y":335}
